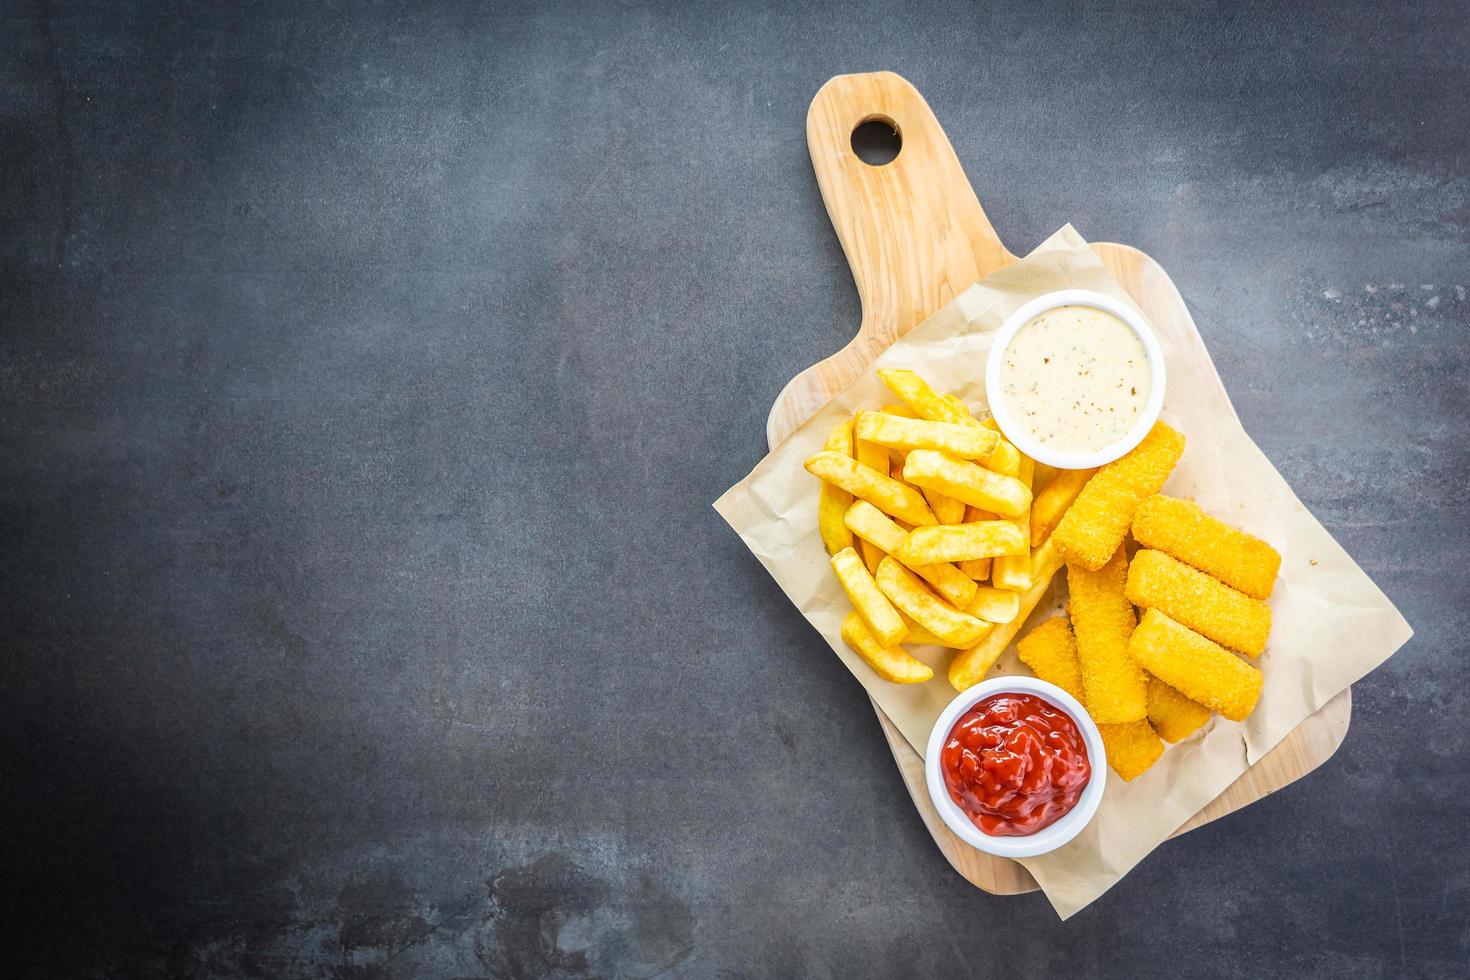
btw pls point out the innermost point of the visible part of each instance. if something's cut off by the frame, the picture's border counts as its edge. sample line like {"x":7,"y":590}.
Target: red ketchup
{"x":1014,"y":764}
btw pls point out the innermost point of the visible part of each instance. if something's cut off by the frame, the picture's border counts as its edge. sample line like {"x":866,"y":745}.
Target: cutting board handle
{"x":913,"y":230}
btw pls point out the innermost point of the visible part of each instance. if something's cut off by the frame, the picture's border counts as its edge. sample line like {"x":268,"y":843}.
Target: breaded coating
{"x":1093,"y":527}
{"x":1179,"y":528}
{"x":1051,"y":653}
{"x":1173,"y":715}
{"x":1103,"y":620}
{"x":1196,"y":667}
{"x":1132,"y":748}
{"x":1191,"y":597}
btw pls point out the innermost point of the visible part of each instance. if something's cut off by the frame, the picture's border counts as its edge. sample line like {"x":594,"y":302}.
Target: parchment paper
{"x":1331,"y":624}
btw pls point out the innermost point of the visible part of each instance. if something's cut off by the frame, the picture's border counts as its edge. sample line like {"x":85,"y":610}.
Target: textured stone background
{"x":366,"y":375}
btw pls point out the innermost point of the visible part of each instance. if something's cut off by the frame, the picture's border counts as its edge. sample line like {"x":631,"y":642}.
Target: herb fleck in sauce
{"x":1076,"y":378}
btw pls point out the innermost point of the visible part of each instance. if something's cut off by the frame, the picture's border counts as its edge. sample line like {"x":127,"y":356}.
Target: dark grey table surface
{"x":367,"y":372}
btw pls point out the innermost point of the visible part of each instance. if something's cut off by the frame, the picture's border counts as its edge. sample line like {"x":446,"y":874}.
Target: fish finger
{"x":1050,"y":651}
{"x":1132,"y":748}
{"x":1230,"y":618}
{"x":1173,"y":715}
{"x":1093,"y":527}
{"x":1116,"y":687}
{"x":1179,"y":528}
{"x":1198,"y":668}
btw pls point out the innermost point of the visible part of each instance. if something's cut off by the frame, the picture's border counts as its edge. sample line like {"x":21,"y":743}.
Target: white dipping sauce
{"x":1075,"y":378}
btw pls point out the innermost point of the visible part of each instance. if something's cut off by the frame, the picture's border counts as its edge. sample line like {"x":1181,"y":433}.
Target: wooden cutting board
{"x":916,"y":236}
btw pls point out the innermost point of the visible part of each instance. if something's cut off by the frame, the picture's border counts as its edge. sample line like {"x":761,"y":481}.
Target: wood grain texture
{"x":916,"y":236}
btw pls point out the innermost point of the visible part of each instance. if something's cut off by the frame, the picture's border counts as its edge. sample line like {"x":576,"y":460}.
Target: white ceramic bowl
{"x":1039,"y":451}
{"x":1048,"y":838}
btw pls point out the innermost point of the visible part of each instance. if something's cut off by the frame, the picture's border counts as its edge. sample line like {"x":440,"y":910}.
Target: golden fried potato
{"x":896,"y":432}
{"x":907,"y":592}
{"x":977,"y":568}
{"x":975,"y":485}
{"x":918,"y":635}
{"x":882,"y":491}
{"x":995,"y":605}
{"x":891,"y":663}
{"x":1048,"y":506}
{"x":872,"y":525}
{"x":832,"y":500}
{"x":915,"y":392}
{"x":1007,"y":458}
{"x":962,"y":542}
{"x":947,"y":510}
{"x":866,"y":596}
{"x":969,"y":665}
{"x":1014,"y":571}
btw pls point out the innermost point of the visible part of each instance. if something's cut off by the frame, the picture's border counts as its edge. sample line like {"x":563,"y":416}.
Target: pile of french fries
{"x":934,"y":531}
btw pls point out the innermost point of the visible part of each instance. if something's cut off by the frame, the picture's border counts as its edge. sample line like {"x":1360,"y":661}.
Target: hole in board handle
{"x":877,"y":141}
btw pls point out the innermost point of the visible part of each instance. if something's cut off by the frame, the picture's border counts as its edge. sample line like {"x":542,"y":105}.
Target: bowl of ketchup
{"x":1015,"y":767}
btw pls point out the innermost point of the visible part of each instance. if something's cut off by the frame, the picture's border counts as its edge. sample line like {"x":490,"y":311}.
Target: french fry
{"x":869,"y":600}
{"x":962,"y":542}
{"x":1173,"y":715}
{"x":977,"y":568}
{"x":871,"y":555}
{"x":832,"y":500}
{"x":1092,"y":528}
{"x":896,"y":432}
{"x":918,"y":634}
{"x":947,"y":510}
{"x":1048,"y":506}
{"x":915,"y":392}
{"x":872,"y":525}
{"x":1196,"y":667}
{"x":1132,"y":748}
{"x":975,"y":485}
{"x":882,"y":491}
{"x":891,"y":663}
{"x":927,"y":403}
{"x":1044,"y":475}
{"x":870,"y":454}
{"x":1209,"y":607}
{"x":995,"y":605}
{"x":1014,"y":571}
{"x":903,"y":410}
{"x":1006,"y":458}
{"x":969,"y":666}
{"x":879,"y":459}
{"x":1180,"y":529}
{"x":904,"y":590}
{"x":1117,"y":690}
{"x":1050,"y":650}
{"x":875,"y":458}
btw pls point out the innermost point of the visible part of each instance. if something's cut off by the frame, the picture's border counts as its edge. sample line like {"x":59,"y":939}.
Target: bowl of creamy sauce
{"x":1075,"y":378}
